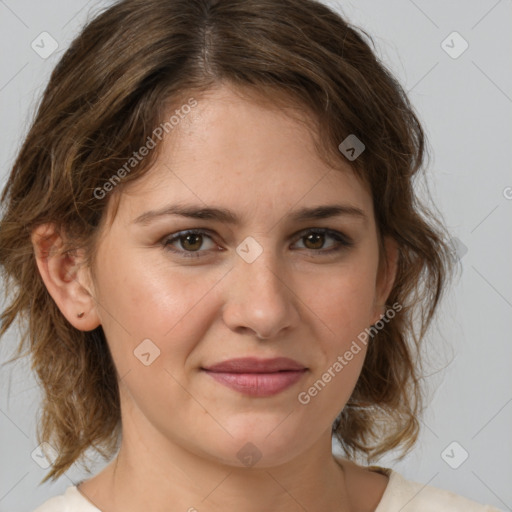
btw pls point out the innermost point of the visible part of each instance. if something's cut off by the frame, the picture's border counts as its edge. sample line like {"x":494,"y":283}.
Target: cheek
{"x":344,"y":305}
{"x":165,"y":304}
{"x":161,"y":314}
{"x":343,"y":297}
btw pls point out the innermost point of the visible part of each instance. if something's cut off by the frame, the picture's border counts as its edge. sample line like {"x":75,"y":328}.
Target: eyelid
{"x":333,"y":233}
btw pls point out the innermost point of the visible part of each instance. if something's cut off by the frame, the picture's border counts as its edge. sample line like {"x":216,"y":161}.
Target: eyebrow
{"x":229,"y":217}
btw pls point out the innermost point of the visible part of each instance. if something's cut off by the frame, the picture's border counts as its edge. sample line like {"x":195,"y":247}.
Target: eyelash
{"x":343,"y":241}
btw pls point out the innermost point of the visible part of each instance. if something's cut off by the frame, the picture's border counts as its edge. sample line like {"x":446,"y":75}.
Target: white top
{"x":400,"y":494}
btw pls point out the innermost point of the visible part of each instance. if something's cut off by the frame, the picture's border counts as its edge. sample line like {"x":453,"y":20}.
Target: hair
{"x":109,"y":91}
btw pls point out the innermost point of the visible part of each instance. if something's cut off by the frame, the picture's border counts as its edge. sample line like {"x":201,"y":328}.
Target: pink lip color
{"x":257,"y":377}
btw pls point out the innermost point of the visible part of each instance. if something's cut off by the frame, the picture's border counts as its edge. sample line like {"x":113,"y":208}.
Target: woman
{"x":212,"y":228}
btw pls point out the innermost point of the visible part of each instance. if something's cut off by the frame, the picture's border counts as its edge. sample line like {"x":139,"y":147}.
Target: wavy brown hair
{"x":111,"y":88}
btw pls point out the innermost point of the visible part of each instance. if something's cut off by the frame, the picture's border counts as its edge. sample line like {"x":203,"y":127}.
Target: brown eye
{"x":188,"y":243}
{"x":191,"y":242}
{"x":314,"y":240}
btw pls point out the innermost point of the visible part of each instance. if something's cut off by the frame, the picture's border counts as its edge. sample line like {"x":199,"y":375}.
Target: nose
{"x":260,"y":299}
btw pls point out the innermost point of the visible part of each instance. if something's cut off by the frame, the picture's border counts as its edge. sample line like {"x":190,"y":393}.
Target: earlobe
{"x":63,"y":274}
{"x":386,"y":277}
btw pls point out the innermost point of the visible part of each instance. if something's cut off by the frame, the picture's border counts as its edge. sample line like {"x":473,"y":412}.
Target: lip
{"x":257,"y":377}
{"x":255,"y":365}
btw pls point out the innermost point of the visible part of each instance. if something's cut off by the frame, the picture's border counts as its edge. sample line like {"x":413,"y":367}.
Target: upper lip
{"x":255,"y":365}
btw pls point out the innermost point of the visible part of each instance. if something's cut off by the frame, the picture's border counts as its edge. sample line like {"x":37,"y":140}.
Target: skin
{"x":181,"y":429}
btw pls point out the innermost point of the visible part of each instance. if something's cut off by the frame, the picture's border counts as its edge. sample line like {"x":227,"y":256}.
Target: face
{"x":266,"y":285}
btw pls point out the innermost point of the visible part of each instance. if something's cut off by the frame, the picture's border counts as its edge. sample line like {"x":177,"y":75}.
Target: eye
{"x":190,"y":241}
{"x":315,"y":240}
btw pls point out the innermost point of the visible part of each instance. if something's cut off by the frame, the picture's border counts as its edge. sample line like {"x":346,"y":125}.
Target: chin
{"x":259,"y":444}
{"x":250,"y":455}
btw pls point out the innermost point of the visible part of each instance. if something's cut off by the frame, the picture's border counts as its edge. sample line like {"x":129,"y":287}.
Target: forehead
{"x":247,"y":155}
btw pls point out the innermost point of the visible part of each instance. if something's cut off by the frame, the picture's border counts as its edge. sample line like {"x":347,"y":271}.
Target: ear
{"x":66,"y":278}
{"x":385,"y":277}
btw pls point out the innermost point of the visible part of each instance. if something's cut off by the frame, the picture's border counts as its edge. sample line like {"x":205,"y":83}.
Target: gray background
{"x":465,"y":104}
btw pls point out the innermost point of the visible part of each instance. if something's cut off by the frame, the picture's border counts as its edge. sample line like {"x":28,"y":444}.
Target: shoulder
{"x":409,"y":496}
{"x":70,"y":501}
{"x":55,"y":504}
{"x":379,"y":489}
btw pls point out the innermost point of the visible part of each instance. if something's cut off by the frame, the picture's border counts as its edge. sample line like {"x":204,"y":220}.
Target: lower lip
{"x":258,"y":384}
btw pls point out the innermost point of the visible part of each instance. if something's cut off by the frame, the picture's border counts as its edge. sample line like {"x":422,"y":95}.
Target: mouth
{"x":257,"y":377}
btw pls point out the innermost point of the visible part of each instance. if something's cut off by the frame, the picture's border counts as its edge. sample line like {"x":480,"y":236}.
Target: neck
{"x":313,"y":481}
